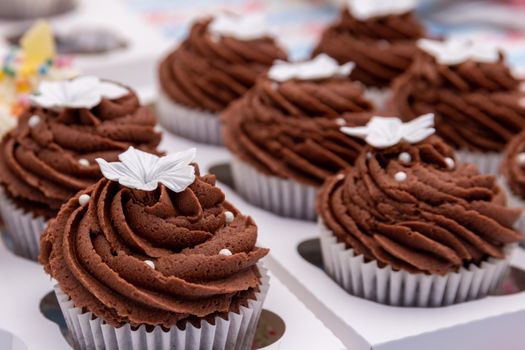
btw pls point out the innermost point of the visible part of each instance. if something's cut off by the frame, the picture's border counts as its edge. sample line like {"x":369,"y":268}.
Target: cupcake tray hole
{"x":9,"y":341}
{"x":84,"y":41}
{"x":513,"y":283}
{"x":269,"y":330}
{"x":223,"y":173}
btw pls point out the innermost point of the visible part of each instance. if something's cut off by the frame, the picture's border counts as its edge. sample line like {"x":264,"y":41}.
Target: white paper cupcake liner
{"x":22,"y":227}
{"x":236,"y":333}
{"x":488,"y":163}
{"x":280,"y":196}
{"x":200,"y":126}
{"x":400,"y":288}
{"x":514,"y":201}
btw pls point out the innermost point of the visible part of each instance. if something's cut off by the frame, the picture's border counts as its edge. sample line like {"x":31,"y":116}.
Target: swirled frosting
{"x":46,"y":163}
{"x":442,"y":216}
{"x":477,"y":105}
{"x":99,"y":254}
{"x":207,"y":72}
{"x":513,"y":165}
{"x":381,"y":47}
{"x":291,"y":129}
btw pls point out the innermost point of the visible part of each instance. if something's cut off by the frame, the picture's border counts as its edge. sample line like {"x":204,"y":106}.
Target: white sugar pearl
{"x":83,"y":162}
{"x":404,"y":157}
{"x":521,"y":158}
{"x":33,"y":121}
{"x":450,"y":163}
{"x":225,"y":252}
{"x":368,"y":155}
{"x":157,"y":128}
{"x":400,"y":176}
{"x":84,"y":199}
{"x":340,"y":121}
{"x":229,"y":216}
{"x":340,"y":176}
{"x":150,"y":264}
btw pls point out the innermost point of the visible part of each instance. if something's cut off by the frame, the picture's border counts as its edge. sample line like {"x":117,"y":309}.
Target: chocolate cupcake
{"x":153,"y":257}
{"x":51,"y":153}
{"x":284,"y":133}
{"x":216,"y":64}
{"x":513,"y":175}
{"x":474,"y":95}
{"x":409,"y":225}
{"x":379,"y":36}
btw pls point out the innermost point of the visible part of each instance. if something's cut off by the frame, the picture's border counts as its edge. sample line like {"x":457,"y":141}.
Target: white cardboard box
{"x":495,"y":322}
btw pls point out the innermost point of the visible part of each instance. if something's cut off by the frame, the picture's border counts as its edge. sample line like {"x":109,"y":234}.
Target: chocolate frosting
{"x":41,"y":165}
{"x":434,"y":222}
{"x":97,"y":253}
{"x":512,"y":170}
{"x":291,"y":129}
{"x":208,"y":73}
{"x":381,"y":47}
{"x":476,"y":105}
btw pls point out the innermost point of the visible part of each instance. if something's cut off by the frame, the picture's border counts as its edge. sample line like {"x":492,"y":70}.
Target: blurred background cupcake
{"x":409,"y":225}
{"x":28,"y":9}
{"x":50,"y":154}
{"x":156,"y":259}
{"x":284,"y":133}
{"x":473,"y":93}
{"x":216,"y":64}
{"x":379,"y":36}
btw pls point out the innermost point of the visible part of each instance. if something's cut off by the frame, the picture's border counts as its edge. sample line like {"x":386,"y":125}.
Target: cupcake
{"x":216,"y":64}
{"x":50,"y":155}
{"x":153,"y":257}
{"x":473,"y":94}
{"x":409,"y":225}
{"x":379,"y":36}
{"x":513,"y":175}
{"x":284,"y":133}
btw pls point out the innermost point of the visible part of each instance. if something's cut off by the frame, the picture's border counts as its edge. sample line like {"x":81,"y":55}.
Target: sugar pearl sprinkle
{"x":340,"y":176}
{"x":340,"y":121}
{"x":521,"y":158}
{"x":228,"y":215}
{"x":33,"y":121}
{"x":225,"y":252}
{"x":404,"y":157}
{"x":83,"y":162}
{"x":450,"y":163}
{"x":84,"y":199}
{"x":400,"y":176}
{"x":368,"y":155}
{"x":150,"y":264}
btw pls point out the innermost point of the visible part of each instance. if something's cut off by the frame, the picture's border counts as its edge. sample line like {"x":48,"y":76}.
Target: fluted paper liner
{"x":488,"y":163}
{"x":514,"y":201}
{"x":197,"y":125}
{"x":280,"y":196}
{"x":400,"y":288}
{"x":23,"y":227}
{"x":236,"y":332}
